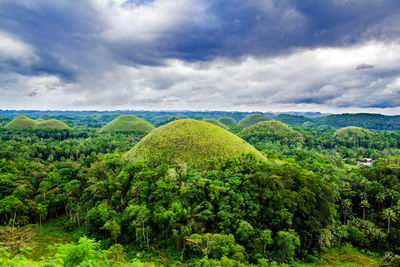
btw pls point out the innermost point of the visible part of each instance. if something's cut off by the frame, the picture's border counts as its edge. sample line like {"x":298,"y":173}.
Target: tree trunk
{"x":363,"y":213}
{"x":388,"y":225}
{"x":15,"y":215}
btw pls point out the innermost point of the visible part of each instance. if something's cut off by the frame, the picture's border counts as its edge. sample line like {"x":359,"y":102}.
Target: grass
{"x":24,"y":122}
{"x":127,"y":123}
{"x":215,"y":122}
{"x":348,"y":256}
{"x":192,"y":142}
{"x":33,"y":239}
{"x":228,"y":121}
{"x":253,"y":119}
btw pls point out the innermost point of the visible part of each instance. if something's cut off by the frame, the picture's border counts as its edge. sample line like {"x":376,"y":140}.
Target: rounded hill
{"x":23,"y":122}
{"x":354,"y":135}
{"x":253,"y":119}
{"x":228,"y":121}
{"x":215,"y":122}
{"x":270,"y":131}
{"x":351,"y":132}
{"x":192,"y":142}
{"x":127,"y":123}
{"x":51,"y":124}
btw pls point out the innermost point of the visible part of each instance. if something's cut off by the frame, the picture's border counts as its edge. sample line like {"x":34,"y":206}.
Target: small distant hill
{"x":191,"y":142}
{"x":215,"y":122}
{"x":253,"y":119}
{"x":351,"y":131}
{"x":293,"y":119}
{"x":228,"y":121}
{"x":23,"y":122}
{"x":353,"y":136}
{"x":270,"y":131}
{"x":127,"y":123}
{"x":365,"y":120}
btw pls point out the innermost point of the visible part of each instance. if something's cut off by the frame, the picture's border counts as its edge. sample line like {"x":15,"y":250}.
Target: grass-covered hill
{"x":228,"y":121}
{"x":353,"y":135}
{"x":351,"y":131}
{"x":23,"y":122}
{"x":192,"y":142}
{"x":215,"y":122}
{"x":127,"y":123}
{"x":266,"y":131}
{"x":253,"y":119}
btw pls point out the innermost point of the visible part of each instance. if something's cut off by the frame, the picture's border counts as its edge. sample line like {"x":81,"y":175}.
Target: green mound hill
{"x":228,"y":121}
{"x":192,"y":142}
{"x":215,"y":122}
{"x":51,"y":124}
{"x":253,"y":119}
{"x":24,"y":122}
{"x":127,"y":123}
{"x":351,"y":131}
{"x":353,"y":136}
{"x":270,"y":131}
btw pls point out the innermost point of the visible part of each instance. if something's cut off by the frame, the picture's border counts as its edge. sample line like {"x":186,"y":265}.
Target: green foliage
{"x":127,"y":123}
{"x":198,"y":197}
{"x":253,"y":119}
{"x":287,"y":243}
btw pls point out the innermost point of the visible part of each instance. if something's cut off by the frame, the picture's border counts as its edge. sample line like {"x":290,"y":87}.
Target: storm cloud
{"x":237,"y":55}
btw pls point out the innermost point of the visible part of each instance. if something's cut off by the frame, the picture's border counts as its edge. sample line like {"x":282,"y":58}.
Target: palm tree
{"x":364,"y":204}
{"x":346,"y":204}
{"x":390,"y":216}
{"x":380,"y":198}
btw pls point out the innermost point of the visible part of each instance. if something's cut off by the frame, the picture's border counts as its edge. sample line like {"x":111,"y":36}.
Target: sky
{"x":331,"y":56}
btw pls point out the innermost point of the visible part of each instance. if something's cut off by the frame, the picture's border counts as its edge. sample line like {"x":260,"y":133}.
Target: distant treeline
{"x":97,"y":119}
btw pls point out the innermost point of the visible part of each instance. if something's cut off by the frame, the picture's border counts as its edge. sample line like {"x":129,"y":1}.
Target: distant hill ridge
{"x":23,"y":122}
{"x":364,"y":120}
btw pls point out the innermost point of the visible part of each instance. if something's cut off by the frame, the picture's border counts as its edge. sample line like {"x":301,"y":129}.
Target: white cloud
{"x":11,"y":48}
{"x":323,"y":79}
{"x":130,"y":22}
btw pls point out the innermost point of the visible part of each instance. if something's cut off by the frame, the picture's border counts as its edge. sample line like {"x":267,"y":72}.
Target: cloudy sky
{"x":327,"y":55}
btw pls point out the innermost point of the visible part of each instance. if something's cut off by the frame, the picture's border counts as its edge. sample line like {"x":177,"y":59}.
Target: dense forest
{"x":191,"y":193}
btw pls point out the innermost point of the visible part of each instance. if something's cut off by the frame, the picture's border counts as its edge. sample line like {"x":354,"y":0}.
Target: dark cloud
{"x":202,"y":54}
{"x":365,"y":66}
{"x":33,"y":93}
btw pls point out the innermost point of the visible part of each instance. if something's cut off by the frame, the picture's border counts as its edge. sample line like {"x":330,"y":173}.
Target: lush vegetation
{"x":127,"y":123}
{"x":193,"y":194}
{"x":24,"y":122}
